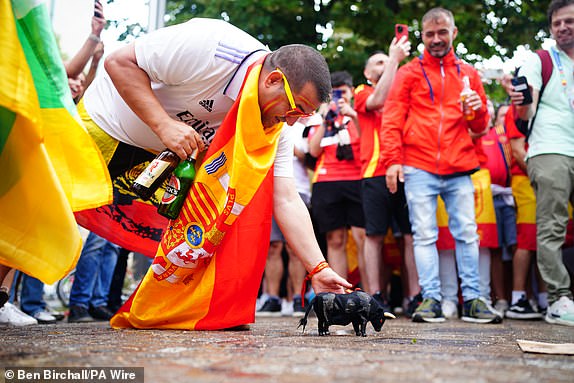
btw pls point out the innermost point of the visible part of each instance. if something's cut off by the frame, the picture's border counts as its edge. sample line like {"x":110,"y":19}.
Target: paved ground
{"x":274,"y":350}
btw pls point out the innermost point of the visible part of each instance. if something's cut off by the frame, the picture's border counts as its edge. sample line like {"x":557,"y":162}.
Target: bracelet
{"x":320,"y":267}
{"x":95,"y":38}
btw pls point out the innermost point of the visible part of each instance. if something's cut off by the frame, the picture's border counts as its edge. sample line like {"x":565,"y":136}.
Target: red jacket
{"x":423,"y":126}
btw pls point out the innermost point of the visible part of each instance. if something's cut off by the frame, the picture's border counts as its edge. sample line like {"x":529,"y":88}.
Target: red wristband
{"x":321,"y":266}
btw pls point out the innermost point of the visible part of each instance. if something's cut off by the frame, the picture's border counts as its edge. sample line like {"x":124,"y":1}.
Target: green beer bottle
{"x":178,"y":187}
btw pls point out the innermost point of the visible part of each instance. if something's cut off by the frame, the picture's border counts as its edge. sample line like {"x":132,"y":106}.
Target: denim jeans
{"x":32,"y":295}
{"x":94,"y":272}
{"x":422,"y":189}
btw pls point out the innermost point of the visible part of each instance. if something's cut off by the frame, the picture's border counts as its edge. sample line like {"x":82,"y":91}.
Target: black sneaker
{"x":102,"y":313}
{"x":414,"y":302}
{"x":271,"y":308}
{"x":4,"y":296}
{"x":429,"y":311}
{"x":383,"y":302}
{"x":298,"y":309}
{"x":477,"y":311}
{"x":523,"y":310}
{"x":79,"y":314}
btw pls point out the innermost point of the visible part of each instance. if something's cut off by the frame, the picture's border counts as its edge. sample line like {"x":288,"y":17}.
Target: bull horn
{"x":389,"y":315}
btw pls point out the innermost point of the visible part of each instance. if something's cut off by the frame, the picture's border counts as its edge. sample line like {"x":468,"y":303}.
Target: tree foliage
{"x":355,"y":28}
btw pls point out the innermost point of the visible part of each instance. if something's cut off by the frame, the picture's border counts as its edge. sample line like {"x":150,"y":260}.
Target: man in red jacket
{"x":426,"y":142}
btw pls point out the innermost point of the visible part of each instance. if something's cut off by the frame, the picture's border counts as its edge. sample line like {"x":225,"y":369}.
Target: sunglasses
{"x":295,"y":111}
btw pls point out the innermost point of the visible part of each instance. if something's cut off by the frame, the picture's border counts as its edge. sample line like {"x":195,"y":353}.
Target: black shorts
{"x":337,"y":204}
{"x":381,"y":207}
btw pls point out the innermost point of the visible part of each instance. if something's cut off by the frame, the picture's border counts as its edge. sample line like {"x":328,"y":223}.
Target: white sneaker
{"x":561,"y":312}
{"x":449,"y":309}
{"x":11,"y":315}
{"x":44,"y":317}
{"x":501,"y":306}
{"x":286,"y":308}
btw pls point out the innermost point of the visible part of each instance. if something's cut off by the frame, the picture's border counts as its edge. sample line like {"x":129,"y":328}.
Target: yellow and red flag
{"x":484,"y":213}
{"x":50,"y":165}
{"x":209,"y":264}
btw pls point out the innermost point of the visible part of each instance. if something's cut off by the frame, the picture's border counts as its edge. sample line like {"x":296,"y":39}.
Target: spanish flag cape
{"x":49,"y":165}
{"x":209,"y":265}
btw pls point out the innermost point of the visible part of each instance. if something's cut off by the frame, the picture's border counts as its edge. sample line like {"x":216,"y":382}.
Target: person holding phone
{"x":76,"y":64}
{"x":336,"y":194}
{"x":550,"y":156}
{"x":379,"y":205}
{"x":426,"y":143}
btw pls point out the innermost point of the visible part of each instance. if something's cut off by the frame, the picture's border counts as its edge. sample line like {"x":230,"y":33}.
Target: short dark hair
{"x":372,"y":54}
{"x":341,"y":78}
{"x":556,"y":5}
{"x":437,"y":13}
{"x":302,"y":64}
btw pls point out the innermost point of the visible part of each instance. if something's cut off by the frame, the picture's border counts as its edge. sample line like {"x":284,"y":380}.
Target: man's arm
{"x":398,"y":51}
{"x":77,"y":64}
{"x":293,"y":219}
{"x":134,"y":85}
{"x":524,"y":112}
{"x":98,"y":53}
{"x":477,"y":101}
{"x":518,"y":146}
{"x":317,"y":135}
{"x":395,"y":114}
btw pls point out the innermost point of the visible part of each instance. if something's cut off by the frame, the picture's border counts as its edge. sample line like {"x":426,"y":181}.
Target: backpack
{"x":525,"y":126}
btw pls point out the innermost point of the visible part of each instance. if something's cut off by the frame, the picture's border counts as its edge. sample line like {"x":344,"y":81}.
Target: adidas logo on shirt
{"x":207,"y":104}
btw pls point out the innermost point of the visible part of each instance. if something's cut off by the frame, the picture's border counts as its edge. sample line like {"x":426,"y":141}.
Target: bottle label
{"x":150,"y":174}
{"x":171,"y":190}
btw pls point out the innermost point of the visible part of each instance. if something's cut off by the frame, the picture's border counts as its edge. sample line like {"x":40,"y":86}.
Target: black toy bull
{"x":357,"y":307}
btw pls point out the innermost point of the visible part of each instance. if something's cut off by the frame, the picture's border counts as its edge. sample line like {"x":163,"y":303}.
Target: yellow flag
{"x":49,"y":164}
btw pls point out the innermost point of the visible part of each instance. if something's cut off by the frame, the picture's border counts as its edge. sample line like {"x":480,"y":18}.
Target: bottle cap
{"x":193,"y":155}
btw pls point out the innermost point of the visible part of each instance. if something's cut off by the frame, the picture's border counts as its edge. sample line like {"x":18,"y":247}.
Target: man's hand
{"x":394,"y":174}
{"x":345,"y":109}
{"x":399,"y":50}
{"x":179,"y":138}
{"x":99,"y":21}
{"x":515,"y":97}
{"x":473,"y":101}
{"x":328,"y":280}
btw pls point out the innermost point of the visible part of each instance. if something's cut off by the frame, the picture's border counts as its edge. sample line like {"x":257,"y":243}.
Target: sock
{"x":543,"y":300}
{"x":516,"y":295}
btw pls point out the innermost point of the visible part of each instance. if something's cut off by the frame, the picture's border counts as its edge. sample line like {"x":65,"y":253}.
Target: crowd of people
{"x":417,"y":160}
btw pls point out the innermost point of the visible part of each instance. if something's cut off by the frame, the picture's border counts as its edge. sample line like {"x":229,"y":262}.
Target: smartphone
{"x":96,"y":13}
{"x":337,"y":94}
{"x":401,"y":30}
{"x":521,"y":85}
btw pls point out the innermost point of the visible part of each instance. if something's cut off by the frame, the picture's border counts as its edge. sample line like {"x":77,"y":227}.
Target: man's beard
{"x":443,"y":52}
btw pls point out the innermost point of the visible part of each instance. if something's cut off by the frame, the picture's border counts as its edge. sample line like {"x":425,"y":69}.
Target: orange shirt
{"x":329,"y":168}
{"x":370,"y":122}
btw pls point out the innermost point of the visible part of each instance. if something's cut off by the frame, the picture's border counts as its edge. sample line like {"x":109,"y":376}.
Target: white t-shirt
{"x":196,"y":69}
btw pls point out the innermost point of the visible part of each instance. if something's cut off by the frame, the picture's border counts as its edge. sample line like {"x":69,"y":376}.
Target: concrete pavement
{"x":274,"y":350}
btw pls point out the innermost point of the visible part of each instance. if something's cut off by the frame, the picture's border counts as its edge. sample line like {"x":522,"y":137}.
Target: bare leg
{"x":296,"y":271}
{"x":497,"y":275}
{"x":359,"y":237}
{"x":373,"y":259}
{"x":274,"y":269}
{"x":410,"y":267}
{"x":336,"y":252}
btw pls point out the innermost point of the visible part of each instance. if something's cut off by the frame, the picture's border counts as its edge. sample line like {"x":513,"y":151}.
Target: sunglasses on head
{"x":295,"y":111}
